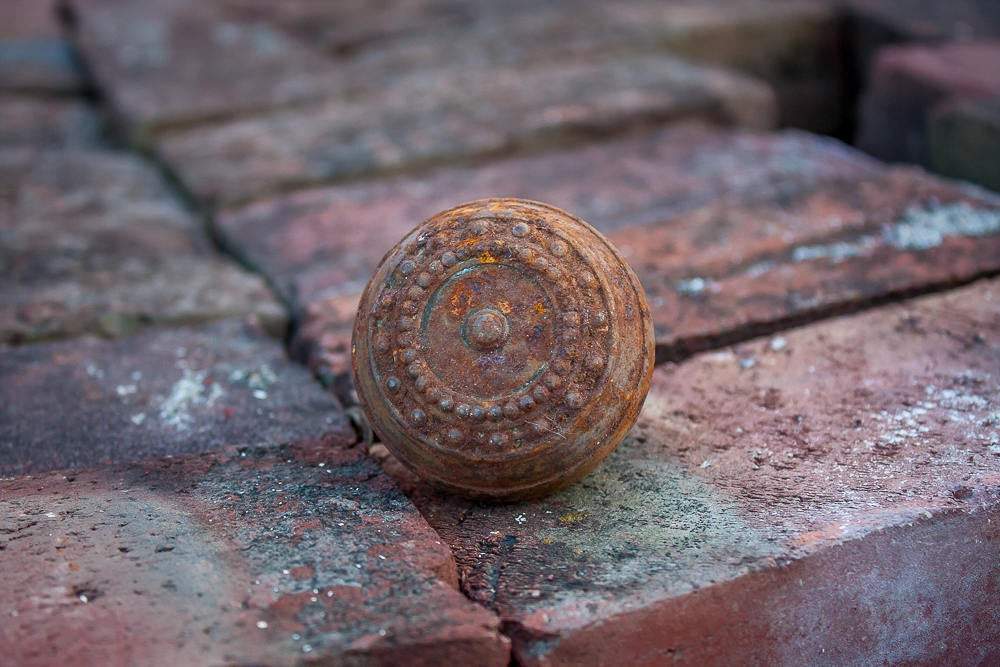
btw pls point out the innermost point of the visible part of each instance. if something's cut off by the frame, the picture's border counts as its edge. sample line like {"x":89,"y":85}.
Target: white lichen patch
{"x":926,"y":228}
{"x":190,"y":391}
{"x":833,"y":252}
{"x":693,"y":286}
{"x":258,"y":380}
{"x":960,"y":404}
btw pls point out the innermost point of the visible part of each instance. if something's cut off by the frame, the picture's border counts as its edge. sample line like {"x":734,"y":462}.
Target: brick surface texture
{"x":95,"y":243}
{"x":159,"y":393}
{"x":739,"y":506}
{"x":194,"y":194}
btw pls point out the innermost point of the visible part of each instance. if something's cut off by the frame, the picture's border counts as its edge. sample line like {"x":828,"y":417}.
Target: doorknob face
{"x":502,"y":349}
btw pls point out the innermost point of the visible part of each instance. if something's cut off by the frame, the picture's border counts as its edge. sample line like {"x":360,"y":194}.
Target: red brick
{"x":34,"y":57}
{"x":38,"y":66}
{"x":453,"y":114}
{"x":753,"y":37}
{"x":86,"y":402}
{"x":173,"y":62}
{"x":29,"y":19}
{"x":908,"y":83}
{"x":47,"y":122}
{"x":350,"y":27}
{"x":796,"y":46}
{"x":320,"y":247}
{"x":828,"y":495}
{"x":876,"y":24}
{"x":94,"y":243}
{"x":964,"y":141}
{"x":731,"y":270}
{"x":274,"y":556}
{"x":327,"y":241}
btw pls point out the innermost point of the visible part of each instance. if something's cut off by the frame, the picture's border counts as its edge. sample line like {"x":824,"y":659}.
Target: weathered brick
{"x":38,"y":66}
{"x":87,"y":402}
{"x":174,"y":62}
{"x":452,"y":114}
{"x":794,"y":45}
{"x":277,"y":556}
{"x":320,"y":247}
{"x":830,"y":495}
{"x":34,"y":57}
{"x":29,"y":19}
{"x":94,"y":243}
{"x":357,"y":27}
{"x":731,"y":270}
{"x":327,"y":241}
{"x":47,"y":122}
{"x":965,"y":141}
{"x":876,"y":24}
{"x":909,"y":82}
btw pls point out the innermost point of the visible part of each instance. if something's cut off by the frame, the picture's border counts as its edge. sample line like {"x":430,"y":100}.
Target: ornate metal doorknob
{"x":502,"y":349}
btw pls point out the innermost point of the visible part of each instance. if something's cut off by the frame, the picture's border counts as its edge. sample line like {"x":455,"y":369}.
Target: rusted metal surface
{"x":503,"y":349}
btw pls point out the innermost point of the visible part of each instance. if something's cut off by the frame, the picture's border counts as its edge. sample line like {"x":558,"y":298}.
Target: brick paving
{"x":167,"y":392}
{"x":94,"y":242}
{"x":806,"y":489}
{"x":193,"y":194}
{"x":460,"y":114}
{"x":34,"y":57}
{"x":273,"y":556}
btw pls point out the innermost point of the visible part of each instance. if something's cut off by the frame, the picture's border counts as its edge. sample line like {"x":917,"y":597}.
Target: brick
{"x":51,"y":123}
{"x":328,"y":241}
{"x":454,"y":114}
{"x":876,"y":24}
{"x":908,"y":83}
{"x":34,"y":56}
{"x":158,"y":393}
{"x":38,"y":66}
{"x":738,"y":268}
{"x":320,"y":247}
{"x":761,"y":39}
{"x":965,"y":141}
{"x":729,"y":271}
{"x":798,"y":507}
{"x":277,"y":556}
{"x":94,"y":243}
{"x":29,"y":19}
{"x":355,"y":27}
{"x":795,"y":46}
{"x":174,"y":62}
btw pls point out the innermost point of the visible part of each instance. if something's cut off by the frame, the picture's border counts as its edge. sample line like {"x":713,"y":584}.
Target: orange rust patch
{"x":504,"y":306}
{"x":486,"y":257}
{"x":460,"y":300}
{"x":539,"y":308}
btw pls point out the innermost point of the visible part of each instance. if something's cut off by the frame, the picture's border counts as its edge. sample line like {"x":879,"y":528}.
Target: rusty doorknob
{"x":502,"y":349}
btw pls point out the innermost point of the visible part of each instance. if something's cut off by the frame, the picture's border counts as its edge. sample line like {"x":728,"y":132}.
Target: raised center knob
{"x":486,"y":329}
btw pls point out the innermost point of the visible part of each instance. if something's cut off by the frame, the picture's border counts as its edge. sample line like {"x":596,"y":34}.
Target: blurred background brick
{"x":964,"y":139}
{"x":35,"y":57}
{"x":909,"y":83}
